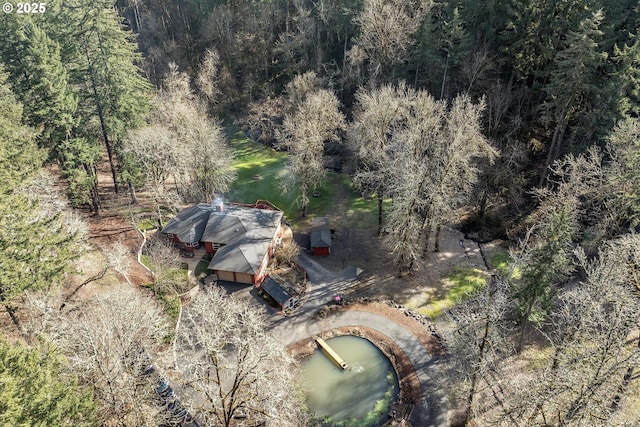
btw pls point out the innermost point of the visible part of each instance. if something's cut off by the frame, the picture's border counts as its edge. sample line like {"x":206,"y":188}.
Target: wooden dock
{"x":331,"y":353}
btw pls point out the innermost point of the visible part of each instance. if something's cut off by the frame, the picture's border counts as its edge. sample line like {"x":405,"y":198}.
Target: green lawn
{"x":502,"y":261}
{"x":337,"y":197}
{"x":254,"y":159}
{"x":464,"y":282}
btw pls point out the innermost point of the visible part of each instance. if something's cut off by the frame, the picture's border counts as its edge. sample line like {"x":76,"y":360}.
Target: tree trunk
{"x":159,"y":218}
{"x":103,"y":125}
{"x":624,"y":385}
{"x":305,"y":200}
{"x":12,"y":315}
{"x":474,"y":377}
{"x":380,"y":200}
{"x":444,"y":76}
{"x":436,"y":247}
{"x":554,"y":148}
{"x":525,"y":318}
{"x":132,"y":193}
{"x":94,"y":196}
{"x":93,"y":278}
{"x":482,"y":209}
{"x":95,"y":200}
{"x":426,"y":225}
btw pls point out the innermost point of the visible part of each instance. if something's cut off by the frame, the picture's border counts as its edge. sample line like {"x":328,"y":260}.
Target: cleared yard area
{"x":259,"y":169}
{"x":260,"y":172}
{"x":459,"y":284}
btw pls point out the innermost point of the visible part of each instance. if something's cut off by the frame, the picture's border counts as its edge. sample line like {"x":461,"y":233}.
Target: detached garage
{"x":320,"y":236}
{"x":285,"y":300}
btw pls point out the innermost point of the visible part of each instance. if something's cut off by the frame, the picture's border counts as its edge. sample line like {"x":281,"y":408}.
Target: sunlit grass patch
{"x":460,"y":283}
{"x":536,"y":357}
{"x":146,"y":224}
{"x":260,"y":175}
{"x":502,"y":261}
{"x":435,"y":309}
{"x":259,"y":169}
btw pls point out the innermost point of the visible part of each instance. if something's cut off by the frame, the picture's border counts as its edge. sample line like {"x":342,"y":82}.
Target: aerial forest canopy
{"x":515,"y":120}
{"x":85,"y":74}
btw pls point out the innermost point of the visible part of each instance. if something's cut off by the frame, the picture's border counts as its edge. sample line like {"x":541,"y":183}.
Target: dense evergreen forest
{"x":511,"y":119}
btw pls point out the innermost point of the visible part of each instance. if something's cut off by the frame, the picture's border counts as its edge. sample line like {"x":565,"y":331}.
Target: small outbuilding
{"x":285,"y":300}
{"x":320,"y":236}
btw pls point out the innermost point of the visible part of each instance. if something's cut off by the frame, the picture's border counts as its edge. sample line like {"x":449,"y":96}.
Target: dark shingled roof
{"x":276,"y":291}
{"x":320,"y":233}
{"x":246,"y":234}
{"x":189,"y":224}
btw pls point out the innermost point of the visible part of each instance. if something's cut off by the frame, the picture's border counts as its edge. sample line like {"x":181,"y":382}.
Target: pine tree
{"x":35,"y":245}
{"x":18,"y":154}
{"x":102,"y":60}
{"x":574,"y":82}
{"x":546,"y":254}
{"x":39,"y":79}
{"x":35,"y":392}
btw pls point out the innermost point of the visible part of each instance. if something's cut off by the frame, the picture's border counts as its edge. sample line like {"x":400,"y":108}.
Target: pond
{"x":361,"y":395}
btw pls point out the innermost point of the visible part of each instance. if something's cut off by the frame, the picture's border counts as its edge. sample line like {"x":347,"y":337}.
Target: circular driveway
{"x":432,"y":409}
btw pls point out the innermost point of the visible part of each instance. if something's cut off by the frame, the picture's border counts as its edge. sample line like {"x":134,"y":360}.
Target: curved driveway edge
{"x":431,"y":411}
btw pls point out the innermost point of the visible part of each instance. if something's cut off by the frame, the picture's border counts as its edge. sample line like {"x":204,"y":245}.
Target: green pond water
{"x":349,"y":397}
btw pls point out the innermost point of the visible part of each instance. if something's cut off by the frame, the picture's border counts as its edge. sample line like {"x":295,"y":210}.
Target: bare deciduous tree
{"x":205,"y":157}
{"x":209,"y":75}
{"x":158,"y":156}
{"x":164,"y":260}
{"x":315,"y":120}
{"x":105,"y":342}
{"x":454,"y":161}
{"x":425,"y":156}
{"x":265,"y":117}
{"x":232,"y":368}
{"x":386,"y":32}
{"x":595,"y":345}
{"x":286,"y":253}
{"x":478,"y":344}
{"x":377,"y":115}
{"x":182,"y":141}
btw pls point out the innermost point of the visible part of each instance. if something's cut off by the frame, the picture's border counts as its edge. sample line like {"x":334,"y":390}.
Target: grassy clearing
{"x":502,"y":261}
{"x":461,"y":283}
{"x":146,"y":224}
{"x":337,"y":197}
{"x":256,"y":160}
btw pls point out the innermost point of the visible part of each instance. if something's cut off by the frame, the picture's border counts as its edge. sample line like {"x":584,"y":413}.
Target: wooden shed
{"x":320,"y":236}
{"x":285,"y":300}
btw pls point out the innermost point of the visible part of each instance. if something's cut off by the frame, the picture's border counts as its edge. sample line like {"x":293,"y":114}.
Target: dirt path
{"x":114,"y":225}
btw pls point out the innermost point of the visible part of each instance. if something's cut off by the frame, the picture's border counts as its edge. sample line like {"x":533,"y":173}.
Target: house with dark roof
{"x":320,"y":236}
{"x":186,"y":228}
{"x":241,"y":238}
